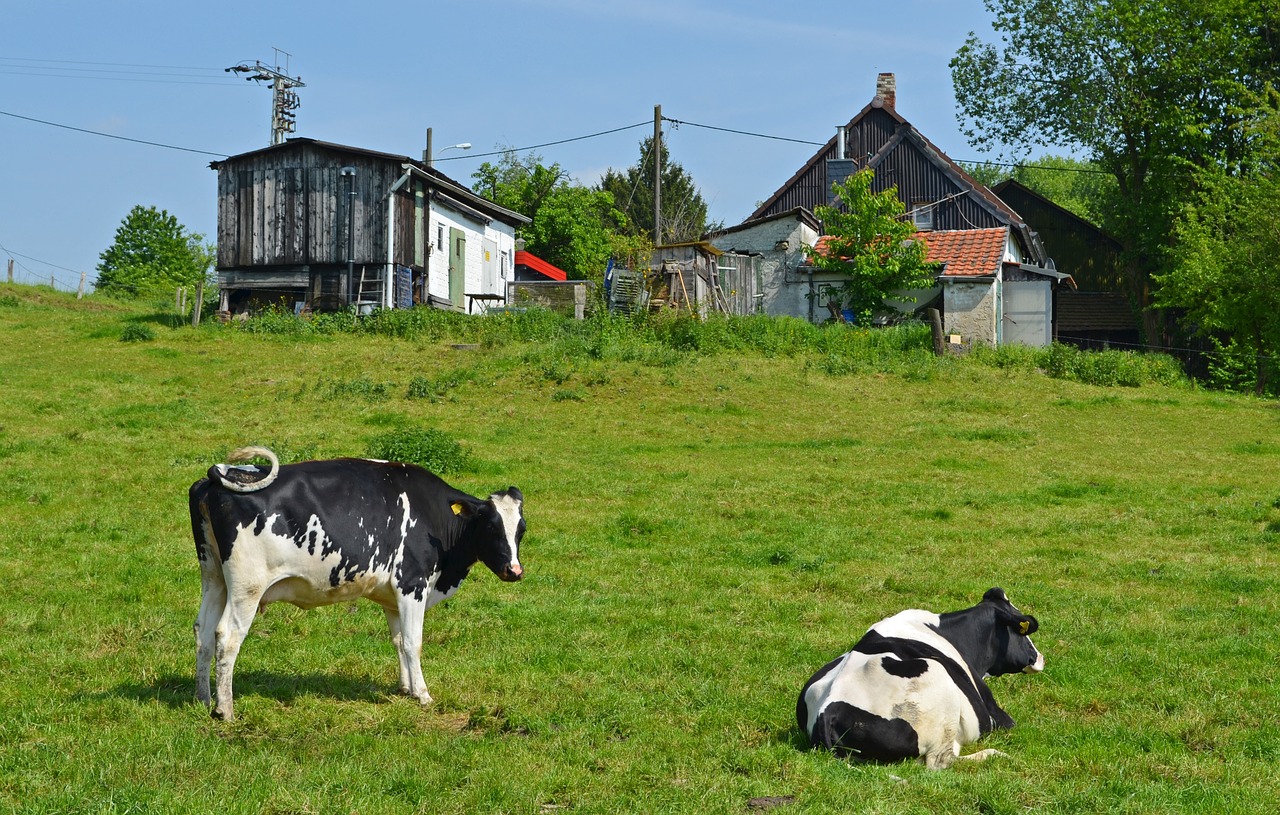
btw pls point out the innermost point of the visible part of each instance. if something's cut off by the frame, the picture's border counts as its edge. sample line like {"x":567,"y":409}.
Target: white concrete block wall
{"x":438,"y":270}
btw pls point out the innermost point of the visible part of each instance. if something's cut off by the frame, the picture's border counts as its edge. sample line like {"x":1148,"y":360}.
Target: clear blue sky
{"x":495,"y":73}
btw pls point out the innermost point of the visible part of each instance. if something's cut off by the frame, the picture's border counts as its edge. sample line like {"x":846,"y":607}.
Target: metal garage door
{"x":1028,"y":311}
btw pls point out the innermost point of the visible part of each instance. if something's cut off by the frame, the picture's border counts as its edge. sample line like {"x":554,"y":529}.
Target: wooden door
{"x":457,"y":268}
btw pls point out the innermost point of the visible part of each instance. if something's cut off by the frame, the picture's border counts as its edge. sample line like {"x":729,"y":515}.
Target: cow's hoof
{"x":218,"y":714}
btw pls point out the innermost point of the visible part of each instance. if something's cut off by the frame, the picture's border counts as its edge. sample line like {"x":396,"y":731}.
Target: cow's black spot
{"x":851,"y":730}
{"x":905,"y":668}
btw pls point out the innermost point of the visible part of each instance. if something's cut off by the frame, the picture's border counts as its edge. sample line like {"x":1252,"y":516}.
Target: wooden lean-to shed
{"x":319,"y":226}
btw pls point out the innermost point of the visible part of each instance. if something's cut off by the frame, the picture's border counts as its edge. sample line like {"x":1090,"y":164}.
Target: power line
{"x":111,"y":135}
{"x":546,"y":144}
{"x":4,"y":69}
{"x":677,"y":123}
{"x":111,"y":64}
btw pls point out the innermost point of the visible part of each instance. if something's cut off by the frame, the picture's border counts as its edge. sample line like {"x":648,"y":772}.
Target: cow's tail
{"x":244,"y":480}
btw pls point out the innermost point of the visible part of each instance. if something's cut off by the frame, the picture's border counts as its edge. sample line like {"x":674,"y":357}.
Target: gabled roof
{"x":904,"y":131}
{"x":540,"y":266}
{"x":442,"y":182}
{"x":966,"y":252}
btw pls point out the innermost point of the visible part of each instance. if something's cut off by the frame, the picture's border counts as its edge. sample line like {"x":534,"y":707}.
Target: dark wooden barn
{"x":1098,"y":311}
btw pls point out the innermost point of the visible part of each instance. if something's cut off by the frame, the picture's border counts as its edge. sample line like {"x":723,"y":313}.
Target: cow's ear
{"x":1026,"y":625}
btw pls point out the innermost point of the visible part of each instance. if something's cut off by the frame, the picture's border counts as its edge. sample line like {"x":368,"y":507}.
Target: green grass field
{"x":707,"y":527}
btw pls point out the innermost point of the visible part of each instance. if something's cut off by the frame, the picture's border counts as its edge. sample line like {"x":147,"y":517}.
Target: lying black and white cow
{"x":913,"y":685}
{"x":321,"y":532}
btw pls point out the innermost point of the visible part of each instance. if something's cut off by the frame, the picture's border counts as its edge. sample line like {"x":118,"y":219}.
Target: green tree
{"x":1225,"y":273}
{"x":868,"y":240}
{"x":152,"y":251}
{"x":684,"y":212}
{"x":1147,"y":91}
{"x":573,"y":227}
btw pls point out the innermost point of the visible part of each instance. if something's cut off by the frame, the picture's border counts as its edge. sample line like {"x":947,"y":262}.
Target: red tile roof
{"x":962,"y":252}
{"x":539,"y":265}
{"x":967,"y":252}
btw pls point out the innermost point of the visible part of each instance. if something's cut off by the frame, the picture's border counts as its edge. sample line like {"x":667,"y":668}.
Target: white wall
{"x":785,"y":290}
{"x":502,"y":235}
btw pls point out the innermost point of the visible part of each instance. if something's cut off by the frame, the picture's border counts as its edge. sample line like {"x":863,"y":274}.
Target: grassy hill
{"x":714,"y":512}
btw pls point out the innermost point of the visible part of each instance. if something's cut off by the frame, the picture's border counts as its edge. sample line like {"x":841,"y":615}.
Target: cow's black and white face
{"x":503,"y":517}
{"x":1015,"y":653}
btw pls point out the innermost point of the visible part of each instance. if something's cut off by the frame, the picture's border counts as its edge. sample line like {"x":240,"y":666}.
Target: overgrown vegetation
{"x":669,"y":338}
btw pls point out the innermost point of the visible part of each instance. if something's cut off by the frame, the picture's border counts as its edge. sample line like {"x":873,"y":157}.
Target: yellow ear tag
{"x":1023,"y":626}
{"x":457,"y":510}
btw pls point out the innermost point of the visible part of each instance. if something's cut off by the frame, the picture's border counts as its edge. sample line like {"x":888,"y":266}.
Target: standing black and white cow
{"x":321,"y":532}
{"x":913,"y":685}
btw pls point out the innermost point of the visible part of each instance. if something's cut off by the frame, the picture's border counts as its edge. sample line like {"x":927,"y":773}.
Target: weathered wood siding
{"x":290,"y":208}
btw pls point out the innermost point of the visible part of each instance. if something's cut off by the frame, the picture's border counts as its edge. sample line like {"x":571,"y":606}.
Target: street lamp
{"x":427,"y":156}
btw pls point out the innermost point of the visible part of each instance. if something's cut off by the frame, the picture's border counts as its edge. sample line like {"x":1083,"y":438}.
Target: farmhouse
{"x":311,"y":225}
{"x":990,"y":303}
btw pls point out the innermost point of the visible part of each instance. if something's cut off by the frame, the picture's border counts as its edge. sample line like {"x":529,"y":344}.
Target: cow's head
{"x":496,"y":525}
{"x":1014,"y":649}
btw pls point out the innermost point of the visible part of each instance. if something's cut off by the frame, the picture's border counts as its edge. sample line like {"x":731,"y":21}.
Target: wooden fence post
{"x":935,"y":324}
{"x":80,"y":291}
{"x":10,"y":270}
{"x":195,"y":312}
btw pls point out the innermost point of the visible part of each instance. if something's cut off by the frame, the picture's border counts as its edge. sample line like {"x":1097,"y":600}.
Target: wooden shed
{"x":311,"y":224}
{"x":1097,"y":312}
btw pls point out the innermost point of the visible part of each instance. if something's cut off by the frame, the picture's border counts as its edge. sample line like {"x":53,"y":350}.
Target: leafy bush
{"x":430,"y":448}
{"x":137,"y":332}
{"x":1110,"y":368}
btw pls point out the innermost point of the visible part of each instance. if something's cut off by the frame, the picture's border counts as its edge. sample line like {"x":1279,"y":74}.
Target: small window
{"x":922,"y":214}
{"x":439,"y":236}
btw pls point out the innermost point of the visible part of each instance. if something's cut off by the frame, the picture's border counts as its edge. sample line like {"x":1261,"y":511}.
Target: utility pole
{"x":283,"y":100}
{"x":657,"y":175}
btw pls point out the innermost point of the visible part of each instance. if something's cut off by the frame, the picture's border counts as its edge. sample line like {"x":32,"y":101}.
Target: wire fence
{"x":67,"y":281}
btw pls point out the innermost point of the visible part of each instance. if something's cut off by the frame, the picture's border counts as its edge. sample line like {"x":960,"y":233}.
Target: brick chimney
{"x":886,"y":91}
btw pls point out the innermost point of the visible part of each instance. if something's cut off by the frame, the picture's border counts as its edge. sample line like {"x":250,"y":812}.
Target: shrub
{"x":1110,"y":368}
{"x":430,"y":448}
{"x":137,"y":332}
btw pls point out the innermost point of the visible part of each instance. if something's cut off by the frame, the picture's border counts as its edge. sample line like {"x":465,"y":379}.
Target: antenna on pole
{"x":283,"y":99}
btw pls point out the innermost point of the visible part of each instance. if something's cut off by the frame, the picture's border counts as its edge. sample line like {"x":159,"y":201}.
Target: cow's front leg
{"x":410,"y":648}
{"x":397,"y":640}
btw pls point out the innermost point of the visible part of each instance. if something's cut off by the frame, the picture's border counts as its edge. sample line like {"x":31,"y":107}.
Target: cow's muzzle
{"x":511,"y":573}
{"x":1035,"y":667}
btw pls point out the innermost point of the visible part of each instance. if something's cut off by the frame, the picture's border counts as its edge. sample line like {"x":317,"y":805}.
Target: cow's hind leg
{"x":231,"y":630}
{"x":213,"y":599}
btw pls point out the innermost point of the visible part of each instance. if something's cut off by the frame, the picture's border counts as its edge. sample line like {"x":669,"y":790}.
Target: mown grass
{"x":713,"y":514}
